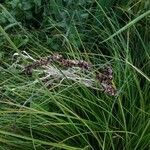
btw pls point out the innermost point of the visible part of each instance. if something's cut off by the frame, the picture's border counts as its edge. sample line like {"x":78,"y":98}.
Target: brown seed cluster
{"x":75,"y":63}
{"x":29,"y":68}
{"x":56,"y":58}
{"x":105,"y":76}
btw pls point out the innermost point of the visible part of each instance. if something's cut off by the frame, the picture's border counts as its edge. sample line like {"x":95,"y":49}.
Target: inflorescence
{"x":56,"y":58}
{"x":104,"y":76}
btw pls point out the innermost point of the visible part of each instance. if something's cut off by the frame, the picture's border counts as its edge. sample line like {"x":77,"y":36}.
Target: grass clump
{"x":69,"y":115}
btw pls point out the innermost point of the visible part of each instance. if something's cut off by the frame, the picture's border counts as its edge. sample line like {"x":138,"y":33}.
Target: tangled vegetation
{"x":53,"y":102}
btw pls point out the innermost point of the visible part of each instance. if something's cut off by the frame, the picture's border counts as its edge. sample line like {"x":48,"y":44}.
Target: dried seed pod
{"x":74,"y":63}
{"x":108,"y":72}
{"x":100,"y":76}
{"x":28,"y":70}
{"x":109,"y":88}
{"x":68,"y":63}
{"x":83,"y":64}
{"x":105,"y":78}
{"x":49,"y":59}
{"x":57,"y":57}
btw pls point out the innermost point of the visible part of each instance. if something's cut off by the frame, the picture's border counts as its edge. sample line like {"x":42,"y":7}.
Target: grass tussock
{"x":70,"y":115}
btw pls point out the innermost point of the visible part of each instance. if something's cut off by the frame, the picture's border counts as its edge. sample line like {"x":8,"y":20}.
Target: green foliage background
{"x":71,"y":116}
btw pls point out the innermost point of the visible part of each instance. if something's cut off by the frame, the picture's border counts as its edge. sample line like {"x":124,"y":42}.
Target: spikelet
{"x":105,"y":77}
